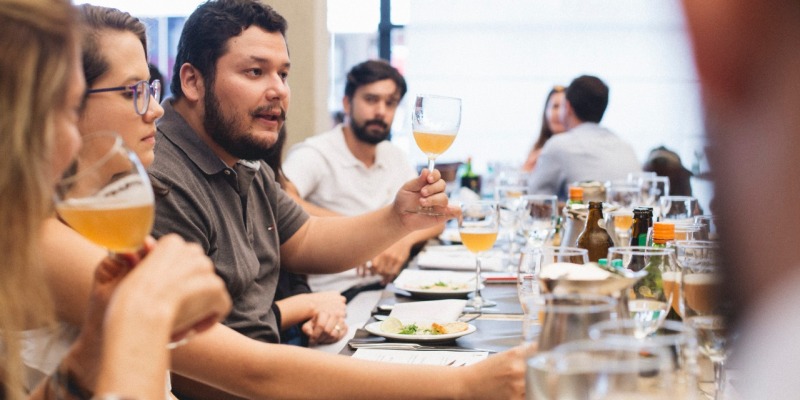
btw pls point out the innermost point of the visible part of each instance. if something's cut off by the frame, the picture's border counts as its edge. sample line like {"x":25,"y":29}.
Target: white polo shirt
{"x":327,"y":174}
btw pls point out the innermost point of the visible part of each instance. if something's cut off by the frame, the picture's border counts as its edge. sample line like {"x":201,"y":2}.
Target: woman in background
{"x":134,"y":311}
{"x":551,"y":125}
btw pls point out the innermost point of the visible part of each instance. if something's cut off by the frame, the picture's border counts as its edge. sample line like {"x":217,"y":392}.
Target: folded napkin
{"x":416,"y":278}
{"x":434,"y":310}
{"x":458,"y":258}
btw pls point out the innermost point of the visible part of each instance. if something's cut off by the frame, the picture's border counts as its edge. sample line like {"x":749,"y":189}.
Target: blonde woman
{"x":133,"y":312}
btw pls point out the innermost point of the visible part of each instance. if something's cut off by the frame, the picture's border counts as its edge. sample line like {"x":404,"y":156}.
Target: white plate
{"x":416,"y":291}
{"x":375,"y":329}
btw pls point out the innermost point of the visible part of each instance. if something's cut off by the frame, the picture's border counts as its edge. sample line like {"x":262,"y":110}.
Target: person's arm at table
{"x":334,"y":244}
{"x":258,"y":370}
{"x":230,"y":361}
{"x":321,"y":312}
{"x":389,"y":262}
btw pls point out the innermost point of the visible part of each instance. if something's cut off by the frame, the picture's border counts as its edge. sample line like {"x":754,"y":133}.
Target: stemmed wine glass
{"x":702,"y":309}
{"x":435,"y":122}
{"x":106,"y":195}
{"x":649,"y":300}
{"x":509,"y":199}
{"x":539,"y":218}
{"x":478,"y":226}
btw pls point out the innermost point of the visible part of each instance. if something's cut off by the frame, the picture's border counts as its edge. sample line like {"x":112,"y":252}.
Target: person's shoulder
{"x":321,"y":142}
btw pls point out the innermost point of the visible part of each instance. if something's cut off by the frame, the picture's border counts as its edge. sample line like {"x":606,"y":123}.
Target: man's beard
{"x":364,"y":135}
{"x":229,"y":134}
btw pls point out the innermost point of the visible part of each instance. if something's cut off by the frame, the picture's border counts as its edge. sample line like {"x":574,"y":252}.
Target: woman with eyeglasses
{"x":137,"y":301}
{"x":551,"y":125}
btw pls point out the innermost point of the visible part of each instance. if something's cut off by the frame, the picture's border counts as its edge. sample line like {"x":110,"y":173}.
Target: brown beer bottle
{"x":642,"y":221}
{"x":594,"y":238}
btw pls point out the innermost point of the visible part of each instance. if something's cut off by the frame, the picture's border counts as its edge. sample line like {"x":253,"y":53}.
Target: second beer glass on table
{"x":478,"y":227}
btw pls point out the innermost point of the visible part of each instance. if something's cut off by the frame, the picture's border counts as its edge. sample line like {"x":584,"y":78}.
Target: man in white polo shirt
{"x":353,"y":168}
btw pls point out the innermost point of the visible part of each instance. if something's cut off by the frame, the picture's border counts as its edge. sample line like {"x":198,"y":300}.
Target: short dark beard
{"x":242,"y":145}
{"x":363,"y":135}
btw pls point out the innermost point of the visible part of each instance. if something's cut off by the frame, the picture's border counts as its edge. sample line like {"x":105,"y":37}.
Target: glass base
{"x":481,"y":303}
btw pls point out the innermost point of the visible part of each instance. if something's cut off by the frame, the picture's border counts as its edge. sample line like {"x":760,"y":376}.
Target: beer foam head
{"x":128,"y":191}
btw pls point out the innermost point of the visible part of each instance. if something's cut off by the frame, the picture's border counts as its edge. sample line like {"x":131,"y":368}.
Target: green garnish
{"x":410,"y":329}
{"x":440,"y":283}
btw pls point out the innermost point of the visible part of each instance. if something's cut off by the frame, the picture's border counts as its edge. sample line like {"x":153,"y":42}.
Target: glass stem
{"x":719,"y":380}
{"x":430,"y":164}
{"x":476,"y":298}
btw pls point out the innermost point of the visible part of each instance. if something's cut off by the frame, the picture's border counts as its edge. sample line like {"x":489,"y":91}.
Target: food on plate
{"x":450,"y":327}
{"x":395,"y":326}
{"x":442,"y":286}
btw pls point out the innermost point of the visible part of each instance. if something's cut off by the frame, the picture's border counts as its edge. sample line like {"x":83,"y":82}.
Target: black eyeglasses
{"x":141,"y":90}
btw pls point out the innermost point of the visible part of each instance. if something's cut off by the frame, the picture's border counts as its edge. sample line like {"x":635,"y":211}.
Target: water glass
{"x":650,"y":298}
{"x":538,"y":219}
{"x":510,"y":200}
{"x":566,"y":317}
{"x":534,"y":259}
{"x":600,"y":369}
{"x":678,"y":339}
{"x":680,"y":208}
{"x":708,"y":227}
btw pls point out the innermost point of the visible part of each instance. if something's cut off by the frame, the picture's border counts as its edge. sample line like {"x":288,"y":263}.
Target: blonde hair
{"x":37,"y":49}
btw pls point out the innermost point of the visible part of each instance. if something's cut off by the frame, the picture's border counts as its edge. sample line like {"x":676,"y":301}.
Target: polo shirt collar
{"x":178,"y":131}
{"x":349,"y":160}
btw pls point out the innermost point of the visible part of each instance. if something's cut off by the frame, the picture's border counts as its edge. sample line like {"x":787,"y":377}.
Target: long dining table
{"x":498,"y":328}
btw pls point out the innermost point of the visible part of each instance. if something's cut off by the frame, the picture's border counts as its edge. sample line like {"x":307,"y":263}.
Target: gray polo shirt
{"x":238,"y":215}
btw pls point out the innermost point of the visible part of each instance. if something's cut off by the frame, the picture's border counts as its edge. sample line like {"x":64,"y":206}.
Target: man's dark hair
{"x":372,"y":71}
{"x":588,"y":96}
{"x":206,"y":33}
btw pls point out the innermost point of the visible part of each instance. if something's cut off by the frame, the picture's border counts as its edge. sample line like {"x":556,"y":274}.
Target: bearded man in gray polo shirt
{"x":230,"y":100}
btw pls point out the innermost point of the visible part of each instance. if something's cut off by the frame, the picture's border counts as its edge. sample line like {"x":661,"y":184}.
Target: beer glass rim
{"x":669,"y":333}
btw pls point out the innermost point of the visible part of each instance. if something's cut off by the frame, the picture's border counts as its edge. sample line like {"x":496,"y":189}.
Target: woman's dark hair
{"x":372,"y":71}
{"x":97,"y":20}
{"x":546,"y":133}
{"x":206,"y":33}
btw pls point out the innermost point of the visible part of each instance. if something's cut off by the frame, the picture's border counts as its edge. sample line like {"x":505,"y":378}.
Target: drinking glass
{"x":708,"y":226}
{"x":106,"y":195}
{"x":435,"y":122}
{"x":538,"y":219}
{"x":478,"y":227}
{"x":534,"y":259}
{"x":600,"y":370}
{"x":635,"y":177}
{"x":622,"y":221}
{"x":622,"y":194}
{"x":566,"y":317}
{"x":651,"y":189}
{"x":681,"y":208}
{"x":509,"y":199}
{"x":649,"y":300}
{"x":701,"y":305}
{"x":677,"y":338}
